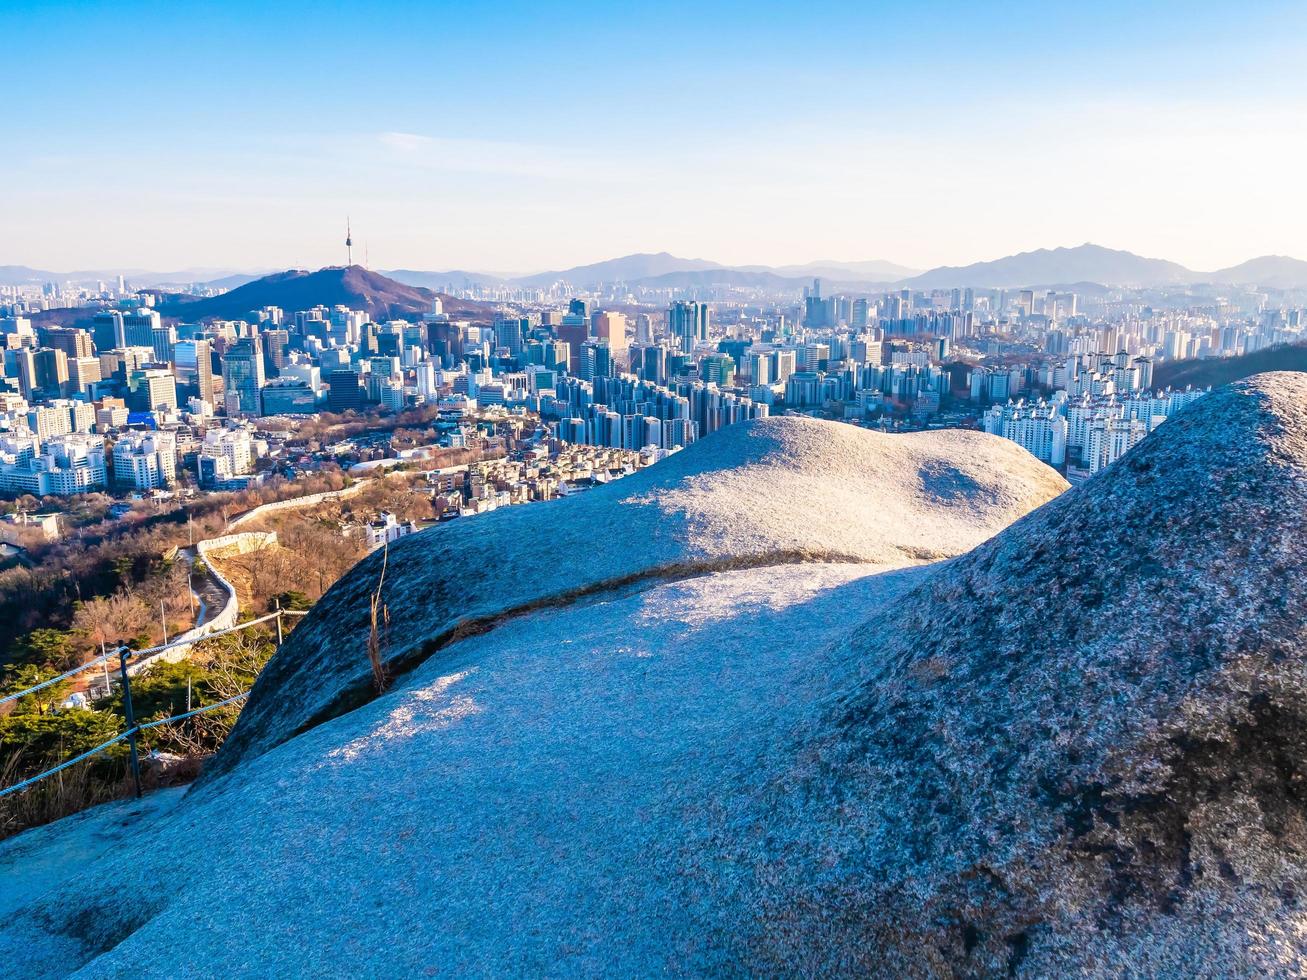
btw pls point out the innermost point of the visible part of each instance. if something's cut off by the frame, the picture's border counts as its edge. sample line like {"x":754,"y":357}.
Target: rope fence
{"x":198,"y":711}
{"x":116,"y":651}
{"x":124,"y":656}
{"x":63,"y":765}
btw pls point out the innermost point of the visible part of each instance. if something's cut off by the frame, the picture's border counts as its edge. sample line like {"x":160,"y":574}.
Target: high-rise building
{"x":225,"y":455}
{"x":50,"y":371}
{"x":243,"y":377}
{"x":653,"y":364}
{"x":718,"y":368}
{"x":643,"y":328}
{"x":154,"y":389}
{"x":786,"y":364}
{"x":19,"y":327}
{"x":595,"y":360}
{"x":574,"y":331}
{"x":72,"y":341}
{"x":138,"y":328}
{"x":345,"y":391}
{"x":164,"y":338}
{"x":83,"y":372}
{"x":861,"y":314}
{"x":193,"y":365}
{"x":274,"y":344}
{"x":67,"y":464}
{"x":107,"y":331}
{"x":288,"y":397}
{"x":47,"y":421}
{"x":611,"y":327}
{"x":688,"y":323}
{"x":81,"y":415}
{"x":112,"y":414}
{"x":509,"y":333}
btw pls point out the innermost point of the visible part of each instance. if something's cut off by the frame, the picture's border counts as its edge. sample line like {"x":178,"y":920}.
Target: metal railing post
{"x":131,"y":720}
{"x":278,"y":602}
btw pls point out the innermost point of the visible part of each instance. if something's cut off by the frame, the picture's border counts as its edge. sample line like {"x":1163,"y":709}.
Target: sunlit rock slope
{"x":766,"y":492}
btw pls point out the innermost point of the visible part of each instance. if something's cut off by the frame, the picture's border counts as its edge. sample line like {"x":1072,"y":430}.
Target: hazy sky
{"x":524,"y":136}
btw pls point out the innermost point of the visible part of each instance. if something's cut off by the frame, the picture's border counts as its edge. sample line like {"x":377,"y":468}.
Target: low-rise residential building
{"x":385,"y":529}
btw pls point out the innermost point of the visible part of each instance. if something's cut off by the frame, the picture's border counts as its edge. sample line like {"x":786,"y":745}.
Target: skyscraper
{"x":274,"y":344}
{"x":153,"y":389}
{"x":643,"y":328}
{"x":612,"y":328}
{"x":194,"y":367}
{"x":574,"y":331}
{"x":243,"y":377}
{"x":688,"y":322}
{"x":509,"y":332}
{"x":138,"y":328}
{"x":164,"y":337}
{"x":107,"y":330}
{"x":50,"y":371}
{"x":72,"y":341}
{"x":345,"y":391}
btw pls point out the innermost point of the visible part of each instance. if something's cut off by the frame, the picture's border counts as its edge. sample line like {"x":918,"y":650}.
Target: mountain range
{"x":1084,"y":266}
{"x":221,"y":278}
{"x":408,"y":293}
{"x":1091,"y":263}
{"x":818,"y":701}
{"x":661,"y":269}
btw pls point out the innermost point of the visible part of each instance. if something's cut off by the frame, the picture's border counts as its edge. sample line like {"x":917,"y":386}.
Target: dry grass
{"x":63,"y":794}
{"x":82,"y":786}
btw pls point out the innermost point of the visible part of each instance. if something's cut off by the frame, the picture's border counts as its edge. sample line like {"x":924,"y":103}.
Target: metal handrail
{"x":64,"y":765}
{"x":135,"y":729}
{"x":116,"y":651}
{"x":137,"y":654}
{"x":198,"y":711}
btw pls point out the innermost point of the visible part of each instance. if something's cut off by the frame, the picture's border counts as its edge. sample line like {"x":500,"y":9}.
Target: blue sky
{"x":517,"y":137}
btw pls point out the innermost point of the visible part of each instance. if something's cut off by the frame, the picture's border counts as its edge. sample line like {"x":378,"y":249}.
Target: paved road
{"x":208,"y":592}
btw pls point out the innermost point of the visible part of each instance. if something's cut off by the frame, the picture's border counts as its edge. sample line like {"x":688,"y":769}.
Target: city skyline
{"x":521,"y":139}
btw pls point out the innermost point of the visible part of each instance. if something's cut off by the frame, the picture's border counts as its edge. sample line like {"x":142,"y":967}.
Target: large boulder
{"x":765,"y":492}
{"x":1082,"y":747}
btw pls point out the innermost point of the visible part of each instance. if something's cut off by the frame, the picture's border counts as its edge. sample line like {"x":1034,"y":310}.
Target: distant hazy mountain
{"x":874,"y":270}
{"x":230,"y":282}
{"x":457,"y":278}
{"x":1217,"y":371}
{"x":1092,"y":263}
{"x":664,"y":269}
{"x":22,"y":275}
{"x":296,"y":289}
{"x":221,"y":278}
{"x":1088,"y":265}
{"x":1273,"y":271}
{"x":217,"y":277}
{"x":625,"y":269}
{"x":689,"y":279}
